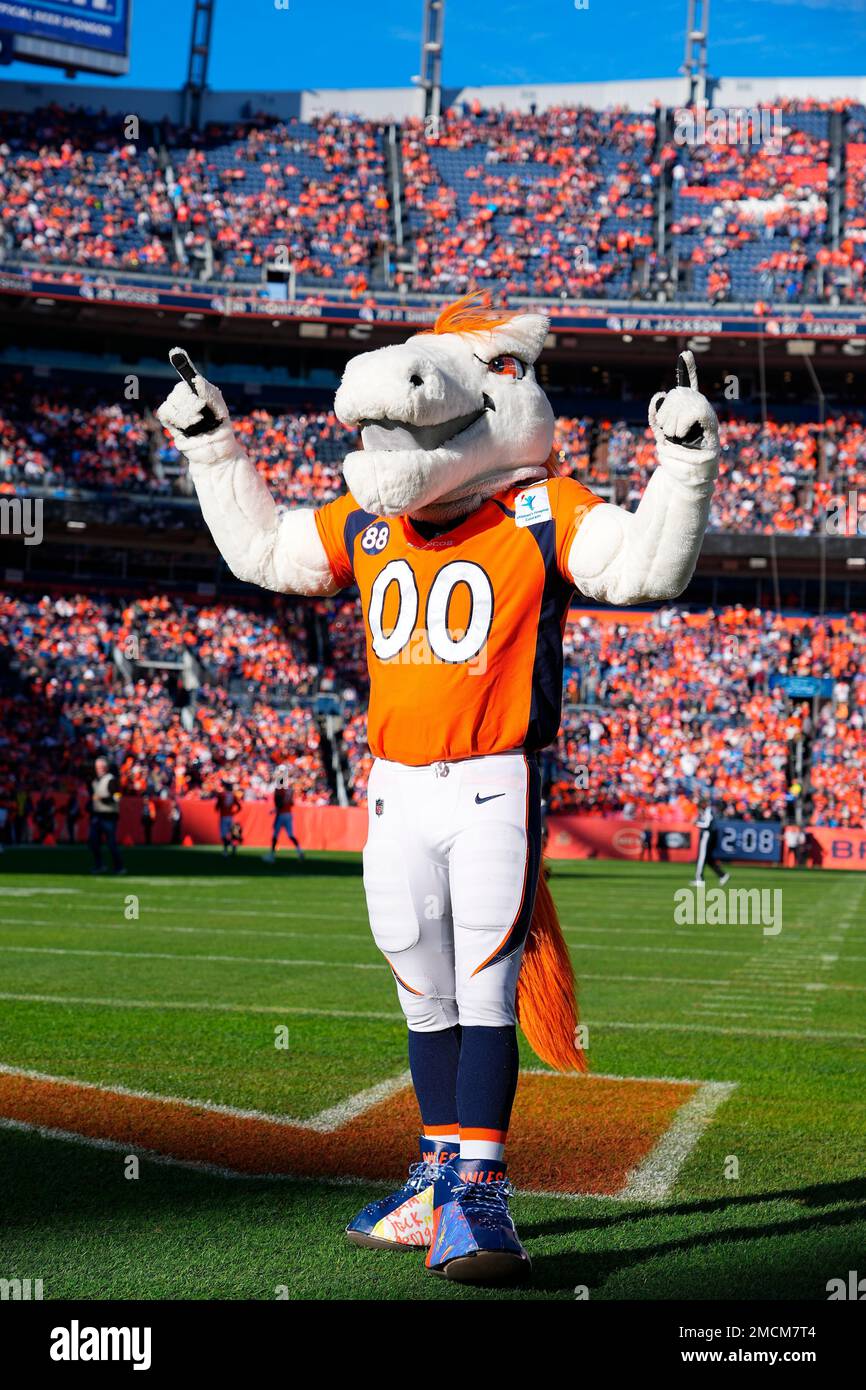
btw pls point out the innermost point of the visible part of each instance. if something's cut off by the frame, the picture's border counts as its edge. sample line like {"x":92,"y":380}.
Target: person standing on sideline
{"x":73,"y":811}
{"x":104,"y":815}
{"x":43,"y":815}
{"x":283,"y":820}
{"x":148,"y":816}
{"x":228,"y":807}
{"x":175,"y":815}
{"x":707,"y":843}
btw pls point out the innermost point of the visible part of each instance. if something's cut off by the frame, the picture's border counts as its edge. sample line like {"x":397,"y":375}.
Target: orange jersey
{"x":464,"y":631}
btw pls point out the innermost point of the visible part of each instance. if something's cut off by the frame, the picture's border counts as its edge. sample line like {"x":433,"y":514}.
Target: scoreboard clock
{"x":760,"y":841}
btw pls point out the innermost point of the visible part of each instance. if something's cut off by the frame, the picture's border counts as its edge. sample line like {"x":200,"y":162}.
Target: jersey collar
{"x":490,"y":513}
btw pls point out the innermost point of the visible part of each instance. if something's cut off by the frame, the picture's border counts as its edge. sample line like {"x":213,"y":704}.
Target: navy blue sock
{"x":433,"y":1061}
{"x":486,"y":1083}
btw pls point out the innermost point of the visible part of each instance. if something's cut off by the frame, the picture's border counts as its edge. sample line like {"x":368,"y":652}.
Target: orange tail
{"x":546,"y":1002}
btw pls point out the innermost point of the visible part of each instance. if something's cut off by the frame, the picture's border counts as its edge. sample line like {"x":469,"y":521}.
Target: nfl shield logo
{"x":380,"y":805}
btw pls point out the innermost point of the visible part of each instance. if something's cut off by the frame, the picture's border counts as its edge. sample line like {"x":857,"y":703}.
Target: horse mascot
{"x":466,"y":547}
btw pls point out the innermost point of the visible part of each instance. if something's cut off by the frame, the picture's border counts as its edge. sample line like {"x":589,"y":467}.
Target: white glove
{"x":183,"y":409}
{"x":622,"y":557}
{"x":686,"y":428}
{"x":280,"y":552}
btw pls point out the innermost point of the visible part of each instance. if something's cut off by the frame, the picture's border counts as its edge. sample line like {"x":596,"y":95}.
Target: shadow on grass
{"x":147,"y":1237}
{"x":169,"y":862}
{"x":833,"y":1205}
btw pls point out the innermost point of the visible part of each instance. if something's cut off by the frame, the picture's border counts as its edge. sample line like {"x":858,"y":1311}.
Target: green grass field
{"x":183,"y":1002}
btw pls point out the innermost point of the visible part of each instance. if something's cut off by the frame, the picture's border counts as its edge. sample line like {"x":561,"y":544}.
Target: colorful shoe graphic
{"x":404,"y":1220}
{"x":474,"y":1240}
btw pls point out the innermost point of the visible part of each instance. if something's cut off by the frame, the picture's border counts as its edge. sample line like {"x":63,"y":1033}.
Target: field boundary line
{"x":651,"y":1180}
{"x":201,"y":1006}
{"x":182,"y":955}
{"x":813,"y":1034}
{"x":654,"y":1178}
{"x":325,"y":1122}
{"x":206,"y":1006}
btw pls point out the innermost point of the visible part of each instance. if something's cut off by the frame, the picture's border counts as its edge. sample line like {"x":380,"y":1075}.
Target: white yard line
{"x":178,"y":912}
{"x":654,"y":1178}
{"x":710,"y":1012}
{"x":651,"y":979}
{"x":205,"y":1007}
{"x":36,"y":892}
{"x":208,"y":1007}
{"x":677,"y":950}
{"x":181,"y":956}
{"x":325,"y":1122}
{"x":140,"y":925}
{"x":814,"y":1034}
{"x":97,"y":903}
{"x":201,"y":1006}
{"x":68,"y":1136}
{"x":651,"y":1181}
{"x":191,"y":1165}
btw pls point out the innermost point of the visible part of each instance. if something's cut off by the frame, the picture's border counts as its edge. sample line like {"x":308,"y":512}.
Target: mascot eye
{"x":507,"y":366}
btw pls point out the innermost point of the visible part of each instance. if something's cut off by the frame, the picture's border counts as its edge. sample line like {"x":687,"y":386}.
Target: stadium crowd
{"x":310,"y":195}
{"x":661,"y":712}
{"x":76,"y":189}
{"x":560,"y":203}
{"x":664,"y":712}
{"x":748,"y":218}
{"x":776,"y":476}
{"x":85,"y":674}
{"x":674,"y":711}
{"x":73,"y":439}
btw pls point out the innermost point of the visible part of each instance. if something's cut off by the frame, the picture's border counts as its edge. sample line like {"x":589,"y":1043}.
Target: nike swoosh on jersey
{"x":480,"y":800}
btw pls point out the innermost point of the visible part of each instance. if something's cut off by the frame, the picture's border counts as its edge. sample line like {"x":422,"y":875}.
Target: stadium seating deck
{"x":562,"y":203}
{"x":660,"y":711}
{"x":775,"y":477}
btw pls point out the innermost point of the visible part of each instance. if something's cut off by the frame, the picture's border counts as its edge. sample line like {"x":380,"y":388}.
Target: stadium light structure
{"x":695,"y":61}
{"x":199,"y":56}
{"x":430,"y":77}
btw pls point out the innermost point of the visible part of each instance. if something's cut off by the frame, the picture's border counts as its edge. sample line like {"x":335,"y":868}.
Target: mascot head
{"x":449,"y":417}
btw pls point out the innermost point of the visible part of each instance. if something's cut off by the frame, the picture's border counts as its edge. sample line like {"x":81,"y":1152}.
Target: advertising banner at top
{"x":85,"y":35}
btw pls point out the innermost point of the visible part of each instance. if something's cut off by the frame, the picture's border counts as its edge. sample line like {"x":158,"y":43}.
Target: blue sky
{"x":342,"y":43}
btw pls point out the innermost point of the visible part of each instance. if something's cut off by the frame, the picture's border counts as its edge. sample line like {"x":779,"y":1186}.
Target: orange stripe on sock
{"x":491,"y":1136}
{"x":436,"y":1131}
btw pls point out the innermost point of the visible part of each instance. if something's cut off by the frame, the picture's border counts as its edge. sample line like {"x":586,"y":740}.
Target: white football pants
{"x":450,"y":872}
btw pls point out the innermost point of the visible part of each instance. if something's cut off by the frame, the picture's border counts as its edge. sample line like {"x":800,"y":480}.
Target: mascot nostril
{"x":466,"y":548}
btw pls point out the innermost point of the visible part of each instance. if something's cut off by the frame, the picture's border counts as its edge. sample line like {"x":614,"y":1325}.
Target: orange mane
{"x":472,"y":313}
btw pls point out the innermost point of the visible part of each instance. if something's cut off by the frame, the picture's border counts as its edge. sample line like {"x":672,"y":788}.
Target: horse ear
{"x":522,"y":336}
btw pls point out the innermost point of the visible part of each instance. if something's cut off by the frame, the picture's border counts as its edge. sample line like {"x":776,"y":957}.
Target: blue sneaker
{"x":474,"y":1240}
{"x":404,"y":1220}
